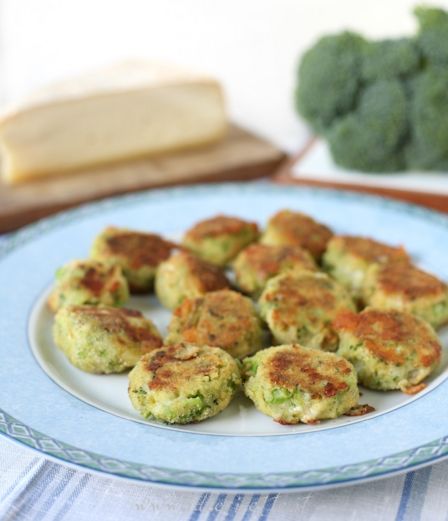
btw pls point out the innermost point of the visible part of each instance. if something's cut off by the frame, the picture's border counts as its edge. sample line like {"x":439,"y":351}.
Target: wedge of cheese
{"x":134,"y":109}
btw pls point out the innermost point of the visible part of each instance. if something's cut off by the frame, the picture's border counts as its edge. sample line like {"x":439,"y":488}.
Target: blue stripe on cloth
{"x":237,"y":500}
{"x":26,"y":471}
{"x":405,"y":495}
{"x":199,"y":506}
{"x":268,"y":504}
{"x":251,"y":507}
{"x":417,"y":495}
{"x":66,"y":507}
{"x":58,"y":489}
{"x":414,"y":494}
{"x":30,"y":494}
{"x":217,"y":507}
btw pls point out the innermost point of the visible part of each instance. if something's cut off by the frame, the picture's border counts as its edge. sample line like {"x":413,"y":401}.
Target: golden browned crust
{"x":116,"y":320}
{"x":174,"y":364}
{"x":208,"y":277}
{"x":370,"y":250}
{"x":298,"y":229}
{"x":140,"y":249}
{"x":291,"y":369}
{"x":360,"y":410}
{"x":96,"y":281}
{"x":408,"y":281}
{"x":382,"y":332}
{"x":292,"y":294}
{"x":219,"y":318}
{"x":220,"y":225}
{"x":267,"y":260}
{"x":414,"y":389}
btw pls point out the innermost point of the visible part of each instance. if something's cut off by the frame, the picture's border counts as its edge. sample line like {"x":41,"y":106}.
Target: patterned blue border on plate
{"x":47,"y":445}
{"x":381,"y":467}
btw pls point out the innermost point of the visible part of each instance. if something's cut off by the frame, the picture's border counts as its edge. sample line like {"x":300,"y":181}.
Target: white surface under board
{"x":317,"y":165}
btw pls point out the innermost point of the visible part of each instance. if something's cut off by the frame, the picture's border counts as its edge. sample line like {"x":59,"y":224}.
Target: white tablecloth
{"x":32,"y":488}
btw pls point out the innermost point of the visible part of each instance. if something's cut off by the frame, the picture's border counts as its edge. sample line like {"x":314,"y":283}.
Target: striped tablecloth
{"x":32,"y":488}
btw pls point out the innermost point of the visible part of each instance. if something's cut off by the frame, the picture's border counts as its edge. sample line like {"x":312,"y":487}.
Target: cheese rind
{"x":68,"y":129}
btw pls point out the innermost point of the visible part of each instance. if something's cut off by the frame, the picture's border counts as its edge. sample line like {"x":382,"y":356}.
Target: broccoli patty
{"x":258,"y":263}
{"x":137,"y":253}
{"x":184,"y":275}
{"x":183,"y":383}
{"x":348,"y":259}
{"x":222,"y":318}
{"x":218,"y":240}
{"x":406,"y":288}
{"x":389,"y":349}
{"x":288,"y":228}
{"x":299,"y":308}
{"x":295,"y":384}
{"x":104,"y":339}
{"x":88,"y":282}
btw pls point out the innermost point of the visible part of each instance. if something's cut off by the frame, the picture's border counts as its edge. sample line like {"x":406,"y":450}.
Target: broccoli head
{"x":429,"y":120}
{"x":388,"y":59}
{"x":381,"y":105}
{"x":433,"y":34}
{"x":370,"y":138}
{"x":335,"y":61}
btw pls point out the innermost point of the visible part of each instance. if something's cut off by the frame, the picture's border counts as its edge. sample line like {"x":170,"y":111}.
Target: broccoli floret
{"x":370,"y":139}
{"x":382,"y":106}
{"x":388,"y":59}
{"x":329,"y":79}
{"x":433,"y":34}
{"x":419,"y":157}
{"x":429,"y":120}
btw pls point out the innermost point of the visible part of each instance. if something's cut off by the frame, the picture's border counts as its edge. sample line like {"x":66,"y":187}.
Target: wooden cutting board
{"x":240,"y":156}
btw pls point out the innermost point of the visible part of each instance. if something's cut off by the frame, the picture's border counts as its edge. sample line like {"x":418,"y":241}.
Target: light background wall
{"x":252,"y":46}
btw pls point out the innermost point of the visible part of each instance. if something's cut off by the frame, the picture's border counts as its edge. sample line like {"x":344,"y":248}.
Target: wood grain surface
{"x":240,"y":156}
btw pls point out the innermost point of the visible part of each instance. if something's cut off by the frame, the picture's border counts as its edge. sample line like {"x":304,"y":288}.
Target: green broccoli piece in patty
{"x":381,"y":105}
{"x":330,"y":77}
{"x":370,"y":139}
